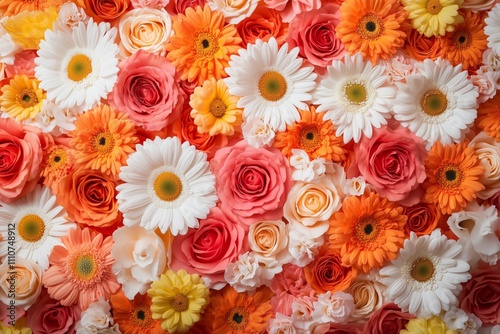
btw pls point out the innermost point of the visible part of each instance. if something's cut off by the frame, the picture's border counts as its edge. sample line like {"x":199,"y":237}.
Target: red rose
{"x":389,"y":319}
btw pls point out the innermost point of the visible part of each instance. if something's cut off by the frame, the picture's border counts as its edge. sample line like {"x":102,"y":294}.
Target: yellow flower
{"x":214,"y":109}
{"x":433,"y":325}
{"x":178,"y":300}
{"x":19,"y":328}
{"x":21,"y":98}
{"x":27,"y":28}
{"x":433,"y":17}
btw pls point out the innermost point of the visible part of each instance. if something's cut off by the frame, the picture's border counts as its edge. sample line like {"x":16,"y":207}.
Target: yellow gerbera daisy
{"x":21,"y":98}
{"x":433,"y":17}
{"x":424,"y":326}
{"x":214,"y":109}
{"x":178,"y":299}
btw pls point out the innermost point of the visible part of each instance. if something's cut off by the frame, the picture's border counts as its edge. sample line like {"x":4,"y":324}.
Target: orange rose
{"x":105,"y":10}
{"x":423,"y":218}
{"x":263,"y":24}
{"x":326,"y":272}
{"x":419,"y":47}
{"x":89,"y":197}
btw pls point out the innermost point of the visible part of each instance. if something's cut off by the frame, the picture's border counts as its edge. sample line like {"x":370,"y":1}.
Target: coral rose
{"x":147,"y":91}
{"x":105,"y":10}
{"x":180,"y":6}
{"x":252,"y":183}
{"x":423,"y":218}
{"x":263,"y":24}
{"x":89,"y":197}
{"x":389,"y":319}
{"x":419,"y":47}
{"x":289,"y":8}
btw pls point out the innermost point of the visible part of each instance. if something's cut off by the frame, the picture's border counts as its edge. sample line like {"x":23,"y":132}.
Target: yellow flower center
{"x":205,"y":44}
{"x":141,"y":316}
{"x":180,"y":303}
{"x":434,"y":7}
{"x":79,"y":67}
{"x":31,"y":228}
{"x":462,"y":39}
{"x":104,"y":142}
{"x":57,"y":158}
{"x":370,"y":26}
{"x":355,"y":93}
{"x":310,"y":138}
{"x":85,"y":267}
{"x":422,"y":269}
{"x":272,"y":86}
{"x":449,"y":176}
{"x":434,"y":102}
{"x":168,"y":186}
{"x":27,"y":98}
{"x":217,"y":108}
{"x":237,"y":318}
{"x":366,"y":229}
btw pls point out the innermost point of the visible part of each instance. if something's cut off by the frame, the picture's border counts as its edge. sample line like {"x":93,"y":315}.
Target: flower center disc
{"x":104,"y":142}
{"x":366,"y":229}
{"x":434,"y":7}
{"x":85,"y":267}
{"x":356,"y":93}
{"x":217,"y":108}
{"x":180,"y":303}
{"x":434,"y":102}
{"x":79,"y":67}
{"x":237,"y":318}
{"x":449,"y":176}
{"x":31,"y":228}
{"x":422,"y":270}
{"x":168,"y":186}
{"x":462,"y":39}
{"x":272,"y":86}
{"x":205,"y":44}
{"x":27,"y":98}
{"x":57,"y":158}
{"x":310,"y":138}
{"x":370,"y":26}
{"x":141,"y":316}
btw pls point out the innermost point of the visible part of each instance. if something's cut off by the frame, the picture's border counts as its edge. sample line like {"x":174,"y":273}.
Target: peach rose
{"x":268,"y":238}
{"x":25,"y":281}
{"x":234,"y":10}
{"x":488,"y":152}
{"x":145,"y":29}
{"x":89,"y":197}
{"x":368,"y":297}
{"x":263,"y":24}
{"x":105,"y":10}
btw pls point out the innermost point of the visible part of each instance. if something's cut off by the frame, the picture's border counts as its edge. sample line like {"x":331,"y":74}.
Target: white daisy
{"x":492,"y":28}
{"x":78,"y":67}
{"x":426,"y":277}
{"x":271,"y":83}
{"x":356,"y":97}
{"x":32,"y":226}
{"x":167,"y":185}
{"x":439,"y":103}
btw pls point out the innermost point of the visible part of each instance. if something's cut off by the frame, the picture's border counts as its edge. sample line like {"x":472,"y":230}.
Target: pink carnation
{"x":287,"y":286}
{"x":24,"y":63}
{"x":290,"y":8}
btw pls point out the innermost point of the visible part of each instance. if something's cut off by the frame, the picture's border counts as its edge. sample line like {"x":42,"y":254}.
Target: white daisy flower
{"x":32,"y":226}
{"x":492,"y":28}
{"x":166,"y":185}
{"x":426,"y":277}
{"x":271,"y":83}
{"x":438,"y":104}
{"x":78,"y":67}
{"x":356,"y":97}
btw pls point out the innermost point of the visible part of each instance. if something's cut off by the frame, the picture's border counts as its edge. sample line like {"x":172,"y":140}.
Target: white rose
{"x":234,"y":11}
{"x":488,"y":152}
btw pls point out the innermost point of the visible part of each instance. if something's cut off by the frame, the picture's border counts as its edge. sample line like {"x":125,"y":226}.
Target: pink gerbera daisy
{"x":80,"y":271}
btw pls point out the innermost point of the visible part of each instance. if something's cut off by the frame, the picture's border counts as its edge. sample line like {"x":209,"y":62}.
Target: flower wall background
{"x":275,"y":166}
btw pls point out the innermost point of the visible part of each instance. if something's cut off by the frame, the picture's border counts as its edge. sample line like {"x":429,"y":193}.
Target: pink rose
{"x":147,"y":91}
{"x":158,"y":4}
{"x":50,"y":317}
{"x":21,"y":155}
{"x":481,"y":295}
{"x":289,"y":8}
{"x":389,"y":319}
{"x":345,"y":329}
{"x":209,"y":249}
{"x":392,"y":162}
{"x":180,"y":6}
{"x":252,"y":182}
{"x":314,"y":33}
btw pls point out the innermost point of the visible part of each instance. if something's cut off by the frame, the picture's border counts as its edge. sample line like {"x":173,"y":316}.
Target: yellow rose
{"x":21,"y":284}
{"x":268,"y":238}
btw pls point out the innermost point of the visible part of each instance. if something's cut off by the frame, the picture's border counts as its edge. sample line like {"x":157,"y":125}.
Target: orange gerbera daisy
{"x":488,"y":117}
{"x":134,"y":316}
{"x":58,"y":162}
{"x":103,"y":139}
{"x":202,"y":44}
{"x":368,"y":231}
{"x":375,"y":28}
{"x":453,"y":173}
{"x":313,"y":135}
{"x":231,"y":312}
{"x":14,"y":7}
{"x":465,"y":45}
{"x":80,"y":270}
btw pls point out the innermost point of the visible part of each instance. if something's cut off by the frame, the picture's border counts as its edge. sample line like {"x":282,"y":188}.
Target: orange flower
{"x":103,"y":139}
{"x":466,"y":43}
{"x":231,"y":312}
{"x":326,"y":272}
{"x":453,"y":173}
{"x":202,"y":44}
{"x":313,"y":135}
{"x":14,"y":7}
{"x":423,"y":218}
{"x":134,"y":316}
{"x":58,"y":161}
{"x":375,"y":28}
{"x":368,"y":231}
{"x":488,"y":117}
{"x":263,"y":24}
{"x":104,"y":10}
{"x":420,"y":47}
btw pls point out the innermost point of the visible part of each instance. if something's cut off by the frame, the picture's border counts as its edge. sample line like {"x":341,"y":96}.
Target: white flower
{"x":492,"y":29}
{"x":303,"y":248}
{"x":257,"y":133}
{"x":70,"y":15}
{"x":9,"y":48}
{"x":302,"y":311}
{"x":458,"y":319}
{"x":487,"y":150}
{"x":487,"y":83}
{"x":97,"y":319}
{"x":306,"y":170}
{"x":334,"y":307}
{"x":281,"y":324}
{"x":234,"y":11}
{"x":355,"y":186}
{"x":55,"y":119}
{"x":140,"y":258}
{"x":399,"y":67}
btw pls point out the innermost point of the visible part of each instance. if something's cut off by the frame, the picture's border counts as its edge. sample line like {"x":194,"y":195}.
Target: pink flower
{"x":289,"y":8}
{"x":345,"y":329}
{"x":252,"y":182}
{"x":158,"y":4}
{"x":314,"y":33}
{"x":50,"y":317}
{"x":180,"y":6}
{"x":21,"y":155}
{"x":147,"y":91}
{"x":392,"y":162}
{"x":208,"y":249}
{"x":287,"y":286}
{"x":389,"y":319}
{"x":23,"y":64}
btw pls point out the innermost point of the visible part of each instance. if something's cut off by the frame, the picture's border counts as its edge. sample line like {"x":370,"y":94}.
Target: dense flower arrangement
{"x":273,"y":166}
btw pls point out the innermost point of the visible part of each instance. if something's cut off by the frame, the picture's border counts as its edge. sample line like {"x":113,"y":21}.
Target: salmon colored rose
{"x":423,"y":218}
{"x":105,"y":10}
{"x":263,"y":24}
{"x":89,"y":197}
{"x":389,"y":319}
